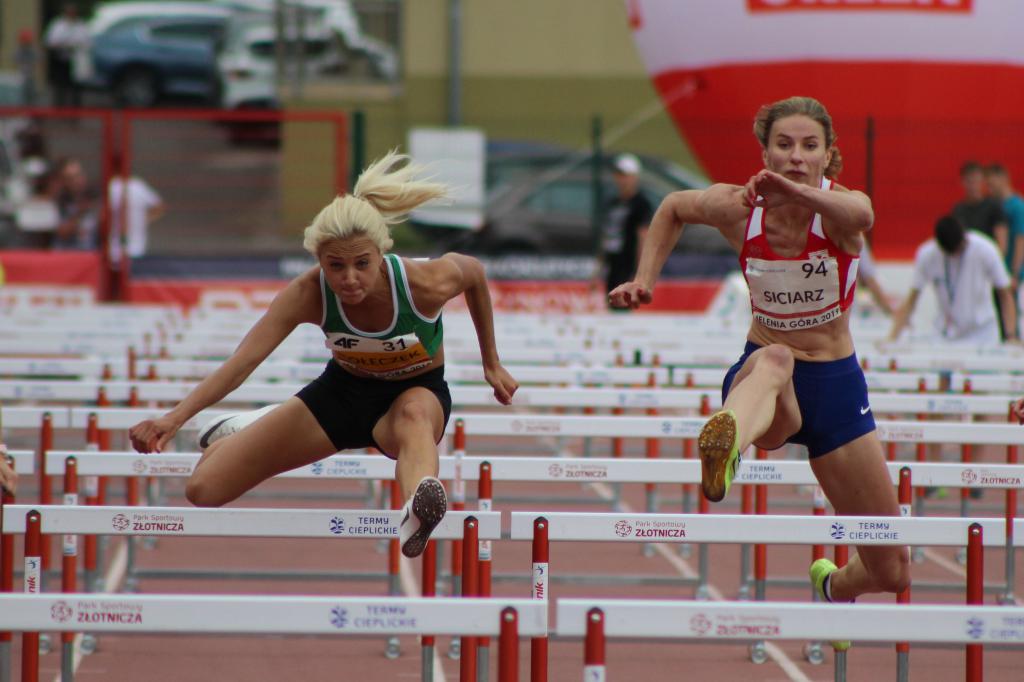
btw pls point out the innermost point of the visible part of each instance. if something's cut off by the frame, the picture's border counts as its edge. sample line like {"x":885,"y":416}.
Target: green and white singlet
{"x":407,"y":345}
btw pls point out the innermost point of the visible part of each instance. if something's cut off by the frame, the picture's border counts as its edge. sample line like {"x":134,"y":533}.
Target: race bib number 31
{"x":383,"y":357}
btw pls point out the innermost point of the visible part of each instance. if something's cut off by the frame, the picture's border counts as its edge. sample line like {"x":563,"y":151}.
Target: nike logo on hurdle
{"x":865,"y":410}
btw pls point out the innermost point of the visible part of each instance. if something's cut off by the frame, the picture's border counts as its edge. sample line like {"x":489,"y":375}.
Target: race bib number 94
{"x":794,"y":294}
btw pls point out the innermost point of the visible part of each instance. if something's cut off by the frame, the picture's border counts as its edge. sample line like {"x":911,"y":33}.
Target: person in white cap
{"x":626,"y":219}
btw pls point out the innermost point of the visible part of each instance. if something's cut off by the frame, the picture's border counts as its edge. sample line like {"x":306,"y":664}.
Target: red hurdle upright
{"x":508,"y":647}
{"x":484,"y":504}
{"x":33,"y":580}
{"x":467,"y":661}
{"x":1011,"y":513}
{"x":428,"y":589}
{"x":593,"y":646}
{"x":906,"y":498}
{"x":69,"y":568}
{"x":975,"y":595}
{"x":539,"y":645}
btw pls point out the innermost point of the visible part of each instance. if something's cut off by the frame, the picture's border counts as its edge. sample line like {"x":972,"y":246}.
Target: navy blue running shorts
{"x":833,"y":400}
{"x":347,"y":406}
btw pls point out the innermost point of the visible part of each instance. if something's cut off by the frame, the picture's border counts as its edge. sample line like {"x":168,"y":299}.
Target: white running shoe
{"x":225,"y":425}
{"x":420,"y":516}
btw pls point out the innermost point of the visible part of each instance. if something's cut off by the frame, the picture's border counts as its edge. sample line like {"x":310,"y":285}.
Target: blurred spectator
{"x":79,"y":216}
{"x":982,"y":213}
{"x":867,"y":276}
{"x":979,"y":212}
{"x":37,"y":217}
{"x":1018,"y":410}
{"x":133,"y":199}
{"x":1001,"y":188}
{"x":32,"y":141}
{"x":963,"y":267}
{"x":25,"y":60}
{"x":627,"y":218}
{"x":64,"y":37}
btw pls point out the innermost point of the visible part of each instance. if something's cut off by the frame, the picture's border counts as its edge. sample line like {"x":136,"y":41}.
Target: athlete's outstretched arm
{"x":298,"y":302}
{"x":456,"y":274}
{"x":720,"y":206}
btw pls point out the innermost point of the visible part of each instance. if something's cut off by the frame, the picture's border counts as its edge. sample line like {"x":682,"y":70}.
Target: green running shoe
{"x":820,"y":570}
{"x":719,"y":446}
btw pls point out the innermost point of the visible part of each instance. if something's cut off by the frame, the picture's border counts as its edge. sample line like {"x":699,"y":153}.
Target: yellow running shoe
{"x":719,"y":446}
{"x":820,"y":570}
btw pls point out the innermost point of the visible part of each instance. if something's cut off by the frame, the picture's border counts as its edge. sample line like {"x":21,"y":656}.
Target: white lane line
{"x":684,"y":568}
{"x":411,"y":587}
{"x":111,"y":582}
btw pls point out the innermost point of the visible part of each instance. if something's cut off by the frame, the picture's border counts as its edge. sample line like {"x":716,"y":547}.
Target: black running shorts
{"x":347,"y":406}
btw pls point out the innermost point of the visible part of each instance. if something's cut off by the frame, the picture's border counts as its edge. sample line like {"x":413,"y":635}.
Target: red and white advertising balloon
{"x":915,"y":88}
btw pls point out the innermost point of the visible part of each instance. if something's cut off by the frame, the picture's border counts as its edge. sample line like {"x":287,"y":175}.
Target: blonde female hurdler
{"x":384,"y":386}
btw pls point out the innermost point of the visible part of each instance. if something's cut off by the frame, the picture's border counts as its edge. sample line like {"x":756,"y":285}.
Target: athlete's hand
{"x":768,"y":189}
{"x":630,"y":295}
{"x":8,"y":478}
{"x":151,"y":435}
{"x":502,"y":382}
{"x":1018,"y":410}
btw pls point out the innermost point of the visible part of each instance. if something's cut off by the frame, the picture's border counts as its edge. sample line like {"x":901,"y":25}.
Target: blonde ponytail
{"x":383,"y":196}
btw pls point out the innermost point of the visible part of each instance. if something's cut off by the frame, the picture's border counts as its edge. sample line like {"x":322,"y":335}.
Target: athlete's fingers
{"x":162,"y":441}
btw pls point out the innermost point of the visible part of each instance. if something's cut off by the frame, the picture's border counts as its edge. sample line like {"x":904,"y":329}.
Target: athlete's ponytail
{"x":385,"y":192}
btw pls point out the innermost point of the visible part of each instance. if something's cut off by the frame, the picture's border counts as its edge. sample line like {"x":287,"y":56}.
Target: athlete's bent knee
{"x":413,"y":413}
{"x":201,"y":494}
{"x":777,"y":360}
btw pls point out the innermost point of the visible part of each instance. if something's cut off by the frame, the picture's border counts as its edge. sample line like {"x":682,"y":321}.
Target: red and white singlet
{"x":800,"y":292}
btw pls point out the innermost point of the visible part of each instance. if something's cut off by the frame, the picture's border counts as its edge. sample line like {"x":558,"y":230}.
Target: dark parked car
{"x":142,"y":52}
{"x":540,"y":201}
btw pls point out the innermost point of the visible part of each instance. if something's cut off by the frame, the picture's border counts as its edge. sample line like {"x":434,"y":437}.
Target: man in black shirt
{"x":984,"y":214}
{"x":627,"y":218}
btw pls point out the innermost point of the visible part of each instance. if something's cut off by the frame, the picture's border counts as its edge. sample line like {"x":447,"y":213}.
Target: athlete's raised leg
{"x":409,"y":431}
{"x":761,"y":408}
{"x":283,"y":439}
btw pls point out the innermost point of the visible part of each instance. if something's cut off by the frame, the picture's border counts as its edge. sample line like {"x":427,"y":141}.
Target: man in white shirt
{"x":66,"y":35}
{"x":964,"y":267}
{"x":135,"y":204}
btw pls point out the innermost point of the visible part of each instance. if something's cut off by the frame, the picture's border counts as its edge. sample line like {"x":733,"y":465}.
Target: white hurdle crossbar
{"x":256,"y":614}
{"x":526,"y":469}
{"x":235,"y":522}
{"x":663,"y":619}
{"x":483,"y":396}
{"x":491,"y":424}
{"x":348,"y":616}
{"x":756,"y":529}
{"x":598,"y":619}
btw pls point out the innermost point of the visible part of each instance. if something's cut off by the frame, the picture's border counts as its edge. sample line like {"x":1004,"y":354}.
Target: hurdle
{"x":507,"y":619}
{"x":37,"y":521}
{"x":596,"y":620}
{"x":543,"y":528}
